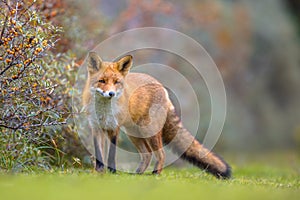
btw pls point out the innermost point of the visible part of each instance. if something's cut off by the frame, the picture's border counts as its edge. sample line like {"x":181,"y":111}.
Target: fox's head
{"x":107,"y":78}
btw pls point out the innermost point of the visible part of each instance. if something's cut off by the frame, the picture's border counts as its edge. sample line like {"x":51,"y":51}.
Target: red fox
{"x":137,"y":102}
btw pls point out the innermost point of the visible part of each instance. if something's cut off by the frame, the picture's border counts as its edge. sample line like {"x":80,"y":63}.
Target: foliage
{"x":34,"y":86}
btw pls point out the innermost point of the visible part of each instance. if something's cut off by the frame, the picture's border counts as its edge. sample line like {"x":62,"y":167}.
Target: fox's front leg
{"x":113,"y":137}
{"x":98,"y":145}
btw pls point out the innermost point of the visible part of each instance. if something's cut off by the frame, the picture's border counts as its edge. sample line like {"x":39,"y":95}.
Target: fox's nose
{"x":111,"y":94}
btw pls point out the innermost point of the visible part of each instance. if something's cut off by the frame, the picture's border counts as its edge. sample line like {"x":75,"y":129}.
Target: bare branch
{"x":8,"y":127}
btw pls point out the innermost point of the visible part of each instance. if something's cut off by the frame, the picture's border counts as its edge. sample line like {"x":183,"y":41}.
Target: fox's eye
{"x":101,"y":81}
{"x":117,"y":82}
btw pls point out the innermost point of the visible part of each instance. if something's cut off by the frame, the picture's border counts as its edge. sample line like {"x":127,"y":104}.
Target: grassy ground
{"x":257,"y":180}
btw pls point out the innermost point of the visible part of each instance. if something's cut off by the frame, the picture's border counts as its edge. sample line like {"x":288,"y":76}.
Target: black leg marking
{"x":112,"y":155}
{"x":99,"y":166}
{"x":99,"y":161}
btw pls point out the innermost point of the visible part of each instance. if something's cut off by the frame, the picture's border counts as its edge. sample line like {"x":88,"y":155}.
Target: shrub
{"x":34,"y":88}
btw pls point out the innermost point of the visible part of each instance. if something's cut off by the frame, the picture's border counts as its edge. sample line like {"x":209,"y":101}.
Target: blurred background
{"x":255,"y":45}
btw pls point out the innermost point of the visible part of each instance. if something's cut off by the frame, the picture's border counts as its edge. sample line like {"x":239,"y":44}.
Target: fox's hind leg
{"x":145,"y":153}
{"x":156,"y":145}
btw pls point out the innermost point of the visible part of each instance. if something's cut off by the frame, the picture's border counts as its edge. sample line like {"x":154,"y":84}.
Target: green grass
{"x":249,"y":182}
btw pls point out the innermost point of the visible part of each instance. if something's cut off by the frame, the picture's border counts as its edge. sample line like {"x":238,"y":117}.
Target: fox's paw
{"x":156,"y":172}
{"x":139,"y":171}
{"x":100,"y":169}
{"x":112,"y":170}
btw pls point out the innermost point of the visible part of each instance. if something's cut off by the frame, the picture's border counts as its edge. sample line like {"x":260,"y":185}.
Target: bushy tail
{"x":183,"y":143}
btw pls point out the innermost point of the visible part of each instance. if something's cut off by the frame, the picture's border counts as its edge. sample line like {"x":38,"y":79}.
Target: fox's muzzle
{"x":107,"y":94}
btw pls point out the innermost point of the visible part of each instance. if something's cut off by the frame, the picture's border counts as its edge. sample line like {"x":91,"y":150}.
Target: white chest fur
{"x":106,"y":111}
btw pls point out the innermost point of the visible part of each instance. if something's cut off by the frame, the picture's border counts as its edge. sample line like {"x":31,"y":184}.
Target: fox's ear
{"x":124,"y":64}
{"x":94,"y":62}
